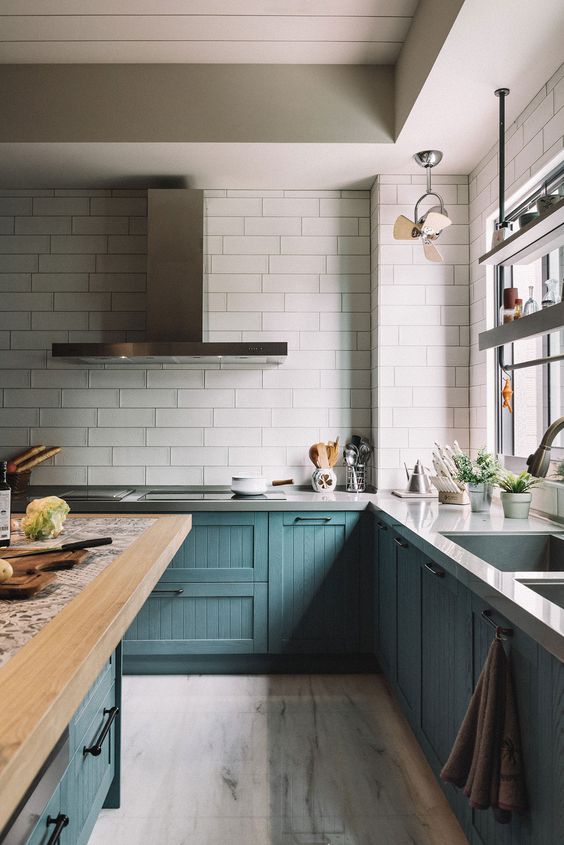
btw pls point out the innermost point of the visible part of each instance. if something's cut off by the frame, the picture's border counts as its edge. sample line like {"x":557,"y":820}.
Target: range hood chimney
{"x":175,"y":276}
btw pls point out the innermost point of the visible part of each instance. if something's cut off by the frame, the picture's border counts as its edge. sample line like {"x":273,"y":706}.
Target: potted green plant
{"x":479,"y":475}
{"x":516,"y":493}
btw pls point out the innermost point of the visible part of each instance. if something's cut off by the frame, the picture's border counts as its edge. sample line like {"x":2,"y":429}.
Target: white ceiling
{"x":204,"y":31}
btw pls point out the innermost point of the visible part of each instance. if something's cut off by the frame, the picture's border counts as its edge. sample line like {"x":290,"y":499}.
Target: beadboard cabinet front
{"x":314,"y":583}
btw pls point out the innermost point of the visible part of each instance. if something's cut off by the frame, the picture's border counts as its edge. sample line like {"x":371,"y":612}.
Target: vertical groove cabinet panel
{"x":446,"y":649}
{"x":408,"y":653}
{"x":536,"y":678}
{"x":222,"y":547}
{"x":43,"y":831}
{"x":386,"y":601}
{"x":201,"y":619}
{"x":87,"y":780}
{"x":314,"y":577}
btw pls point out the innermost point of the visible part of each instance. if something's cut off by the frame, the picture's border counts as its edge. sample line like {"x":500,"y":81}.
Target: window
{"x":538,"y":397}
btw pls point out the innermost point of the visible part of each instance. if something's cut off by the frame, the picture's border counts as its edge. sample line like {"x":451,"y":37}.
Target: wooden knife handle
{"x":38,"y":459}
{"x":278,"y":482}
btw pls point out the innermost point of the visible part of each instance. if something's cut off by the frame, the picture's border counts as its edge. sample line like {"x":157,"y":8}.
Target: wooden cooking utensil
{"x":279,"y":482}
{"x":314,"y":455}
{"x":323,"y":456}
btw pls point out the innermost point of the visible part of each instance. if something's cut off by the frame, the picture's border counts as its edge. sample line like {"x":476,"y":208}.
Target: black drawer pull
{"x":499,"y":632}
{"x":440,"y":573}
{"x":60,"y":822}
{"x":381,"y":526}
{"x":313,"y":519}
{"x":401,"y":543}
{"x":96,"y":749}
{"x":172,"y":592}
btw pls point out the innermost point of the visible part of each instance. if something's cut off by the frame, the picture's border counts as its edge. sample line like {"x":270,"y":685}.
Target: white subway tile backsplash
{"x":91,"y":275}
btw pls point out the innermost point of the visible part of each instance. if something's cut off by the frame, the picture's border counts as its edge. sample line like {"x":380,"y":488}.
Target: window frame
{"x":503,"y":277}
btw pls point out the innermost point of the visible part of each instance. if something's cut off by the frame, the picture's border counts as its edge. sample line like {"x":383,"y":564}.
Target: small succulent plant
{"x":483,"y":470}
{"x":523,"y":483}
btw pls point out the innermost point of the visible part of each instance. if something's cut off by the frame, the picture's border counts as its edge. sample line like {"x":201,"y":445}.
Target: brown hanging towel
{"x":486,"y":756}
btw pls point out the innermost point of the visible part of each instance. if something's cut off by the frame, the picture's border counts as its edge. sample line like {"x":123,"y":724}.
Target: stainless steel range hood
{"x":174,"y":295}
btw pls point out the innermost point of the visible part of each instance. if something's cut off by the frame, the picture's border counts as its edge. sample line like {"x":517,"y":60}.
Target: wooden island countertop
{"x":44,"y":681}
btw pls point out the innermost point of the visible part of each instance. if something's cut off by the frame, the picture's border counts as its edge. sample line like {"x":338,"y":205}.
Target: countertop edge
{"x":46,"y":680}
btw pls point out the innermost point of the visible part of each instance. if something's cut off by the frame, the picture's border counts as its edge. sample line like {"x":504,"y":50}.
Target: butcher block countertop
{"x":54,"y":645}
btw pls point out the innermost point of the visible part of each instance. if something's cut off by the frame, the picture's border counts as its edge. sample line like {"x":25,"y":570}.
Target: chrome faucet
{"x":539,"y":462}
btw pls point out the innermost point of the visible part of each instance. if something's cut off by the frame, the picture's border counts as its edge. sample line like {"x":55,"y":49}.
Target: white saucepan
{"x":248,"y":485}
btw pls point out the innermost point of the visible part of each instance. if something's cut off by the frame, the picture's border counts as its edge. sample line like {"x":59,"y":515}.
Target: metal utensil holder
{"x":355,"y":478}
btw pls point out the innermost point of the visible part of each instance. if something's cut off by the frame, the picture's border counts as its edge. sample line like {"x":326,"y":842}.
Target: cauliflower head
{"x":44,"y":518}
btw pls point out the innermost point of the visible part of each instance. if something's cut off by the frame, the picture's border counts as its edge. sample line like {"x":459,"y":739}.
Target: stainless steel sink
{"x":537,"y":552}
{"x":551,"y":590}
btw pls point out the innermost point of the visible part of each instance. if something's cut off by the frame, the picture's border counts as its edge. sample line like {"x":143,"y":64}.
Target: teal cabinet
{"x":439,"y":640}
{"x":212,"y":598}
{"x":94,"y":748}
{"x":221,"y":548}
{"x":386,"y":599}
{"x":314,"y":583}
{"x":408,"y":651}
{"x":182,"y":618}
{"x":48,"y":821}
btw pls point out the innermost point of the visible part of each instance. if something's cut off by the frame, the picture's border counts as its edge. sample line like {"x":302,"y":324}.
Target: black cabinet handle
{"x":401,"y":543}
{"x":381,"y":526}
{"x":176,"y":592}
{"x":60,"y":822}
{"x":440,"y":573}
{"x":500,"y":633}
{"x":96,"y":749}
{"x":313,"y":519}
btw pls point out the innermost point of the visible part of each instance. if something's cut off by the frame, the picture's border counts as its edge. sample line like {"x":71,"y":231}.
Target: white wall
{"x":420,"y":342}
{"x":288,"y":265}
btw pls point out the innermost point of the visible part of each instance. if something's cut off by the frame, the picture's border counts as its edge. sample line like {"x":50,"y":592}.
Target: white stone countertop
{"x":21,"y":619}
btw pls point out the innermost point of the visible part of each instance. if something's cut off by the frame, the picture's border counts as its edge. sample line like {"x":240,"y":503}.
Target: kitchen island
{"x":55,"y":646}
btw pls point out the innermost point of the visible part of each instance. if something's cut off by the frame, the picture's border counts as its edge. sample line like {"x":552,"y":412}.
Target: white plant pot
{"x":516,"y":505}
{"x":480,"y":496}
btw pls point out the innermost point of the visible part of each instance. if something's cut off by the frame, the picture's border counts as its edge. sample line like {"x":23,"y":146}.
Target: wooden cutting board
{"x":47,"y":562}
{"x":25,"y":585}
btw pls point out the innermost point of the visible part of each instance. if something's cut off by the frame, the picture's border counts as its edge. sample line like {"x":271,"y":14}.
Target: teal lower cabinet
{"x":183,"y":618}
{"x":314,"y":583}
{"x":439,"y":640}
{"x":86,"y":766}
{"x":246,"y":589}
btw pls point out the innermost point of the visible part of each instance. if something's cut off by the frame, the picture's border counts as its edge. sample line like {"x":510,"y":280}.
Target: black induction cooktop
{"x":206,"y":495}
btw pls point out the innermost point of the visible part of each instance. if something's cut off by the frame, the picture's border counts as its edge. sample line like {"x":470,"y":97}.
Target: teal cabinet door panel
{"x":408,"y":654}
{"x":45,"y":827}
{"x":87,"y":779}
{"x":222,"y":547}
{"x":538,"y":680}
{"x":446,"y":648}
{"x":201,"y":619}
{"x":386,"y":587}
{"x":314,"y":601}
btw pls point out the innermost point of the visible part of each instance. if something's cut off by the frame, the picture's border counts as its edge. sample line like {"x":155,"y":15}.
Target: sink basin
{"x":515,"y":552}
{"x":551,"y":590}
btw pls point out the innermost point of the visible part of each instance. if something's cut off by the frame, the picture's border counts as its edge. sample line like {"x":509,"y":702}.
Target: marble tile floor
{"x":272,"y":760}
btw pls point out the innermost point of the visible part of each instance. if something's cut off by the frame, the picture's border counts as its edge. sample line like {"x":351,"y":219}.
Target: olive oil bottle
{"x":5,"y":503}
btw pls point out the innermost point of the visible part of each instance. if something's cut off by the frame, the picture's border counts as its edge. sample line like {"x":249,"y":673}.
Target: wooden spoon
{"x":314,"y":455}
{"x":323,"y":456}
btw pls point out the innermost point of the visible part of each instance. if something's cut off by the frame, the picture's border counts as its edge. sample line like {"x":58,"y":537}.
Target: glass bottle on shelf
{"x":552,"y":295}
{"x":507,"y":311}
{"x":530,"y":305}
{"x":518,"y":309}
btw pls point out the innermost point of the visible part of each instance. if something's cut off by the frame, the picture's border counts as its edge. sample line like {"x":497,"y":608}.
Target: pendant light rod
{"x":502,"y":93}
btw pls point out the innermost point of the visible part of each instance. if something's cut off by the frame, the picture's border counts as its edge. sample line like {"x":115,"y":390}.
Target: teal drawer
{"x":88,"y":778}
{"x":45,"y":826}
{"x":180,"y":618}
{"x":310,"y":518}
{"x":90,"y":705}
{"x":222,"y":548}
